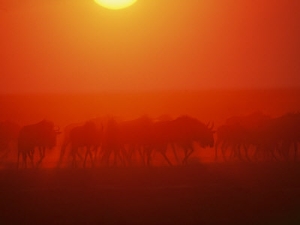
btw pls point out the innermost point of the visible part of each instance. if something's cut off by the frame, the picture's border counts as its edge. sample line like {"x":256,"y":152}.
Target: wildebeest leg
{"x":166,"y":158}
{"x":62,"y":152}
{"x":234,"y":152}
{"x":92,"y":156}
{"x":88,"y":151}
{"x":97,"y":153}
{"x":174,"y":152}
{"x":42,"y":155}
{"x":142,"y":153}
{"x":117,"y":156}
{"x":224,"y":146}
{"x":106,"y":155}
{"x":132,"y":153}
{"x":23,"y":159}
{"x":24,"y":156}
{"x":237,"y":151}
{"x":137,"y":152}
{"x":78,"y":154}
{"x":148,"y":152}
{"x":189,"y":150}
{"x":127,"y":155}
{"x":74,"y":154}
{"x":105,"y":158}
{"x":30,"y":154}
{"x":216,"y":149}
{"x":163,"y":151}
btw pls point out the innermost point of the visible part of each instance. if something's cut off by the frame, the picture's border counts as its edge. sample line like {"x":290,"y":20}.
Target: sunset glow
{"x":115,"y":4}
{"x":160,"y":45}
{"x":149,"y":112}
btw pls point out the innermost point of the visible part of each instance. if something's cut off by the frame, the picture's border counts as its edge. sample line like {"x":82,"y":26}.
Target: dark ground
{"x":221,"y":193}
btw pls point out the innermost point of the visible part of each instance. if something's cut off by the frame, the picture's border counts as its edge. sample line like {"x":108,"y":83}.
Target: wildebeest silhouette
{"x":126,"y":140}
{"x":232,"y":137}
{"x":144,"y":137}
{"x":41,"y":135}
{"x":112,"y":143}
{"x":9,"y":132}
{"x":239,"y":133}
{"x":290,"y":130}
{"x":276,"y":138}
{"x":182,"y":133}
{"x":86,"y":136}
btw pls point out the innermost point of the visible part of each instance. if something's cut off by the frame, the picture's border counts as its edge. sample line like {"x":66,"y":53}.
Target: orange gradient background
{"x":72,"y":60}
{"x":69,"y":61}
{"x":78,"y":46}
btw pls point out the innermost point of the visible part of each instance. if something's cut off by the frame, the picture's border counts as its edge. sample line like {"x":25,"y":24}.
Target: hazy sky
{"x":77,"y":46}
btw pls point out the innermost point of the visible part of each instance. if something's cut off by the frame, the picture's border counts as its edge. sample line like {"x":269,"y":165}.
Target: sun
{"x":115,"y":4}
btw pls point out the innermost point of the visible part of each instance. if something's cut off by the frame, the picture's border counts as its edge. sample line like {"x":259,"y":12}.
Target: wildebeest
{"x":112,"y":144}
{"x":239,"y":132}
{"x":126,"y":139}
{"x":290,"y":130}
{"x":144,"y":136}
{"x":85,"y":136}
{"x":41,"y":135}
{"x":181,"y":133}
{"x":232,"y":137}
{"x":276,"y":138}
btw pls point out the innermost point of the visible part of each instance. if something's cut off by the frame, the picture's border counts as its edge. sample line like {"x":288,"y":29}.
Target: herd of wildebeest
{"x":108,"y":141}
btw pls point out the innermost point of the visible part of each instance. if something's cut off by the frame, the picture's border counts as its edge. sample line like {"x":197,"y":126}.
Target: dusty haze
{"x":206,"y":105}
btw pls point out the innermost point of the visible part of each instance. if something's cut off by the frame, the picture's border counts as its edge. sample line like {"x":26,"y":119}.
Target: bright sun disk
{"x":115,"y":4}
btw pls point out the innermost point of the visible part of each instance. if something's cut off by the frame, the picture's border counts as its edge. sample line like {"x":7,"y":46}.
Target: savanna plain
{"x":230,"y":190}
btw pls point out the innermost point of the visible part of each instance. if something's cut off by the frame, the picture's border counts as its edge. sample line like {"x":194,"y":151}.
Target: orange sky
{"x":77,"y":46}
